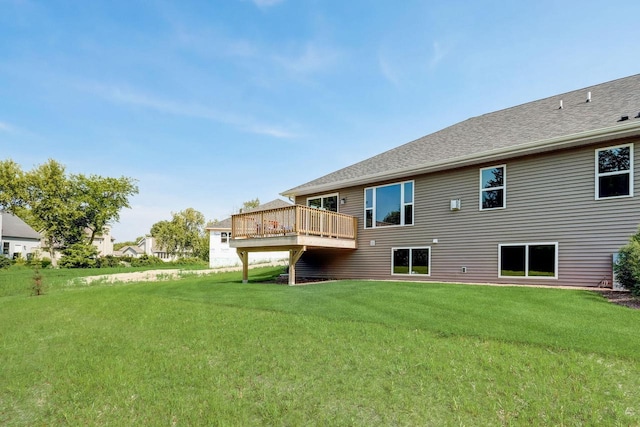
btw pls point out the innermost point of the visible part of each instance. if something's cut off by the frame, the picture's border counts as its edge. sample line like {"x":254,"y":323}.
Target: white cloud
{"x":244,"y":123}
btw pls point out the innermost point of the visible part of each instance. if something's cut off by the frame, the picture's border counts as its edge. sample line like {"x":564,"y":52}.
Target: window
{"x":614,"y":171}
{"x":539,"y":260}
{"x":493,"y":187}
{"x":224,"y":237}
{"x":410,"y":261}
{"x":388,"y":205}
{"x":5,"y":248}
{"x":327,"y":202}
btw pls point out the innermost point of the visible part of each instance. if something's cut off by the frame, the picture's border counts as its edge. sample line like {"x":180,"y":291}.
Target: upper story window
{"x":224,"y":237}
{"x":493,"y":187}
{"x":614,"y":171}
{"x":327,"y":202}
{"x":388,"y":205}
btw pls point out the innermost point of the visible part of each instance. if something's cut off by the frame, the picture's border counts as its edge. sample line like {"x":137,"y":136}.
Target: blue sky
{"x":212,"y":103}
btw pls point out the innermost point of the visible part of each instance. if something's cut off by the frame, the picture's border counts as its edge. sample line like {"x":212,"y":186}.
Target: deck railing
{"x":293,"y":220}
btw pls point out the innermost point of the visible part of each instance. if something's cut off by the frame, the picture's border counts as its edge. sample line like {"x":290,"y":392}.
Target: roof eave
{"x":535,"y":147}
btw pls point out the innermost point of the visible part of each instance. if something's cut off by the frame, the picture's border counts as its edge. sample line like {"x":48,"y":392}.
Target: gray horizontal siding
{"x":550,"y":198}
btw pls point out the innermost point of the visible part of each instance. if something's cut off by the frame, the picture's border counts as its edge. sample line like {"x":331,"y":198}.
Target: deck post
{"x":244,"y":257}
{"x":294,"y":256}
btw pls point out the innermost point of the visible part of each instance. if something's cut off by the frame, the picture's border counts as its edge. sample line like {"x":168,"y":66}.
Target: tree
{"x":183,"y":235}
{"x":50,"y":206}
{"x":250,"y":204}
{"x":63,"y":207}
{"x":12,"y":186}
{"x":101,"y":199}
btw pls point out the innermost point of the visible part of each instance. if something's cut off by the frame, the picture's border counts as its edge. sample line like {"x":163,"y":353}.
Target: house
{"x":103,"y":241}
{"x":540,"y":193}
{"x":130,"y":251}
{"x":148,"y":245}
{"x":220,"y":252}
{"x":17,"y":238}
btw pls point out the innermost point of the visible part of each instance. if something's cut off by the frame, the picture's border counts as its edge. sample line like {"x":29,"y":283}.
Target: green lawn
{"x":212,"y":351}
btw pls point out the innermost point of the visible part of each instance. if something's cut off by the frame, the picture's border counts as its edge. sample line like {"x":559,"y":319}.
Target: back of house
{"x":541,"y":193}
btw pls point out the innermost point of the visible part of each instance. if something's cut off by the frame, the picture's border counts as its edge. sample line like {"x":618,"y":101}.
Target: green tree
{"x":12,"y":186}
{"x":250,"y":204}
{"x":183,"y":235}
{"x":79,"y":255}
{"x":100,"y":200}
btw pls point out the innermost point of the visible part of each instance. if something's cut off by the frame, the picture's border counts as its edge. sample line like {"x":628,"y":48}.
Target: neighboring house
{"x":148,"y":245}
{"x":103,"y":241}
{"x":222,"y":255}
{"x":17,"y":238}
{"x":131,"y":251}
{"x":541,"y":193}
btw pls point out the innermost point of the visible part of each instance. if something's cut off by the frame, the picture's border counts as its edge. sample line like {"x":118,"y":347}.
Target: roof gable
{"x":589,"y":109}
{"x":13,"y":226}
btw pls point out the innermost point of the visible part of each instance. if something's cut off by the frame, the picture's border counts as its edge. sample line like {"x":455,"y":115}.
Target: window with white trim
{"x":614,"y":171}
{"x":493,"y":187}
{"x":388,"y":205}
{"x":528,"y":260}
{"x":224,"y":237}
{"x":411,"y":261}
{"x":327,"y":202}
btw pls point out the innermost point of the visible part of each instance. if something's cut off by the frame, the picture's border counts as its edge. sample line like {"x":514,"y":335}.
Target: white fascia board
{"x":535,"y":147}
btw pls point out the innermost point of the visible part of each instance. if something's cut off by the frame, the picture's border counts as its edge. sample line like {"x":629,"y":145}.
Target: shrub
{"x":145,"y":260}
{"x":627,"y":268}
{"x":108,"y":261}
{"x":5,"y":262}
{"x":79,"y":255}
{"x":190,"y":261}
{"x":37,"y":287}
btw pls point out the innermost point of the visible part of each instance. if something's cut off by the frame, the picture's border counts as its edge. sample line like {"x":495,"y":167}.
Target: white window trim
{"x":526,"y":261}
{"x":402,"y":205}
{"x":410,"y":249}
{"x":503,"y":187}
{"x":598,"y":174}
{"x":322,"y":196}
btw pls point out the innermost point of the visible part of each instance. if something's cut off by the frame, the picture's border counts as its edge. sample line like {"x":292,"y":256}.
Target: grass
{"x":212,"y":351}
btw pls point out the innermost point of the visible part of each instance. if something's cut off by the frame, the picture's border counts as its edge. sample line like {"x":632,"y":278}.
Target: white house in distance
{"x":104,"y":241}
{"x":17,"y":238}
{"x":221,"y":255}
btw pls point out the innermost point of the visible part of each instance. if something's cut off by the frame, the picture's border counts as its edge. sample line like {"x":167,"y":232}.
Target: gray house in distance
{"x":540,"y":193}
{"x":17,"y":238}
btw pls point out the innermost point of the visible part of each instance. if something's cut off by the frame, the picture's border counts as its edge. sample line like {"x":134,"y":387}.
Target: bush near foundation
{"x":627,"y":268}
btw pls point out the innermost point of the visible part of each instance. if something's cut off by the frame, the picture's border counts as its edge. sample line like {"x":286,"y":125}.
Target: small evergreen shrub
{"x":5,"y":262}
{"x":627,"y":268}
{"x":108,"y":261}
{"x":146,"y":260}
{"x":79,"y":255}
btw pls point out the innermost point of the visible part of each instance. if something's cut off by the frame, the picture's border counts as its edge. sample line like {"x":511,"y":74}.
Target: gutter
{"x":535,"y":147}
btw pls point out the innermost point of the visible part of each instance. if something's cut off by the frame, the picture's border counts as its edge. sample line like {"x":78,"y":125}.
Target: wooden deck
{"x":295,"y":229}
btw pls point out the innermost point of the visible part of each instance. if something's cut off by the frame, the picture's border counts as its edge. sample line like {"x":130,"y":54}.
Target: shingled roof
{"x":542,"y":125}
{"x":13,"y":226}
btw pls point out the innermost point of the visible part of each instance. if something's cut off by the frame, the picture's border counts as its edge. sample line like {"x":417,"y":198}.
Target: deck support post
{"x":294,"y":256}
{"x":244,"y":257}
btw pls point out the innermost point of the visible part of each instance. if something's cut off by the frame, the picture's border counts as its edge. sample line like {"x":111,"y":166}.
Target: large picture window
{"x":388,"y":205}
{"x":327,"y":202}
{"x":614,"y":171}
{"x":410,"y":261}
{"x":493,"y":187}
{"x":539,"y":260}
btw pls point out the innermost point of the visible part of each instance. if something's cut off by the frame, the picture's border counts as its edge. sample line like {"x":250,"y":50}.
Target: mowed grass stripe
{"x":206,"y":351}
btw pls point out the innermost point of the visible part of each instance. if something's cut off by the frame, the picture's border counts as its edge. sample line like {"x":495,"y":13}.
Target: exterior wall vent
{"x":455,"y":205}
{"x":623,"y":118}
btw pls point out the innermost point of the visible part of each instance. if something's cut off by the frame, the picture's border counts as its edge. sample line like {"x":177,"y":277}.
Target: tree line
{"x":67,"y":209}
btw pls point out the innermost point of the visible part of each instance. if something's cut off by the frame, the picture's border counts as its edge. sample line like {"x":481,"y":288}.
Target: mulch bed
{"x":622,"y":298}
